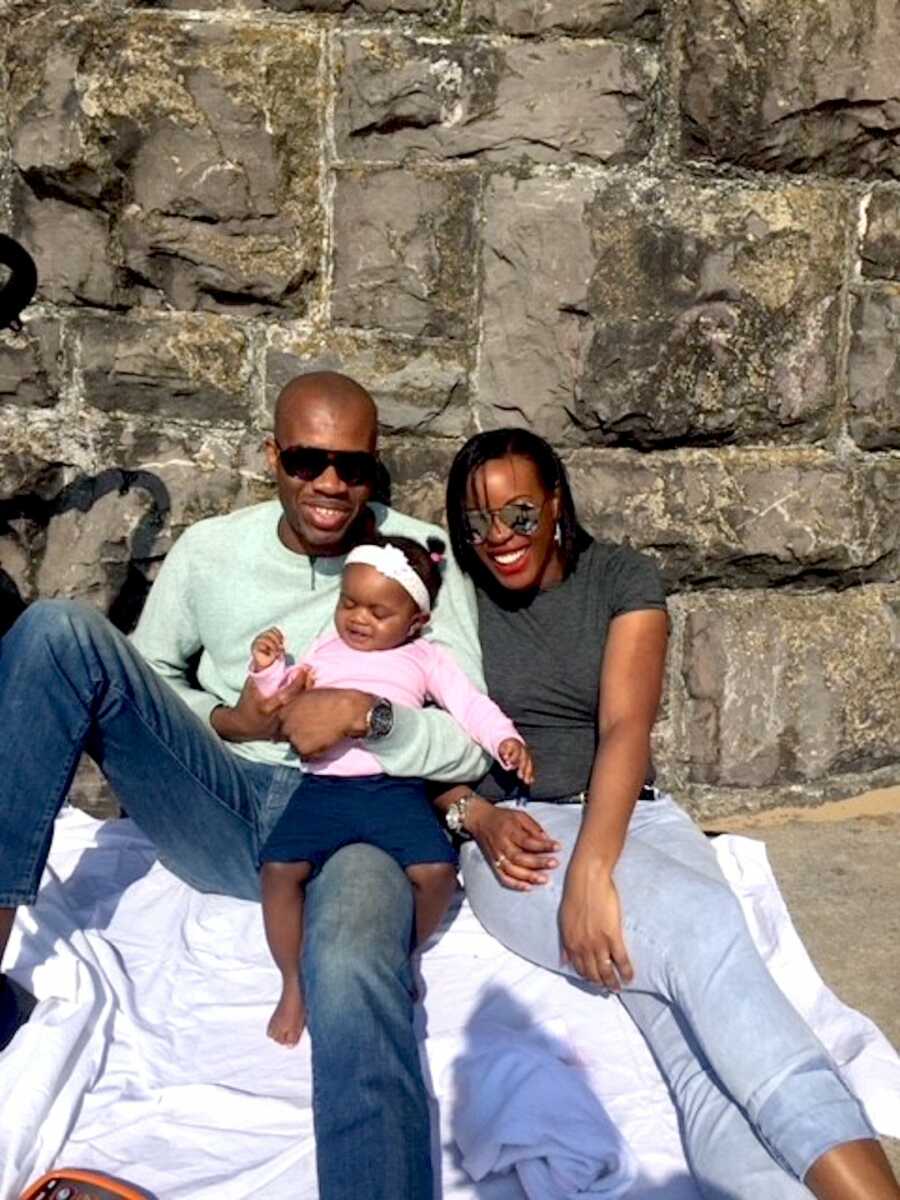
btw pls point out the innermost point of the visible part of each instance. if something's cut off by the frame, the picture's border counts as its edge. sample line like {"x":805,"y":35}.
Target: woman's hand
{"x":590,"y":925}
{"x":513,"y":843}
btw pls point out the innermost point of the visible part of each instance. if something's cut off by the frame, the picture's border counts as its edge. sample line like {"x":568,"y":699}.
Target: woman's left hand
{"x":590,"y":923}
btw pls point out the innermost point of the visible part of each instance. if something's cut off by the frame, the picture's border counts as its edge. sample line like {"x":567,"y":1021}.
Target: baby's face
{"x":374,"y":612}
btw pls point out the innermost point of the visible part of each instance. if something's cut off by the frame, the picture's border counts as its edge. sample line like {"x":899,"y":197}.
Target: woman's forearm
{"x":619,"y":771}
{"x":476,"y":806}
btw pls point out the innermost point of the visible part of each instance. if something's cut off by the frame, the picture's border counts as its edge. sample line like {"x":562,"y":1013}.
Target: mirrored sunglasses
{"x":354,"y":467}
{"x":521,"y":518}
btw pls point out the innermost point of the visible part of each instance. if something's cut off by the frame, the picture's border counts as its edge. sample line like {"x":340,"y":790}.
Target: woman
{"x":604,"y":877}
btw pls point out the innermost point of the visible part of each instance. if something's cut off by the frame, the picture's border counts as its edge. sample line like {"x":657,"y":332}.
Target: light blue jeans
{"x":751,"y":1082}
{"x":70,"y":682}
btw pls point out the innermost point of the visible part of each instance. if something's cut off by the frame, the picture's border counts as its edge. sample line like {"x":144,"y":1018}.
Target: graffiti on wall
{"x":81,"y":495}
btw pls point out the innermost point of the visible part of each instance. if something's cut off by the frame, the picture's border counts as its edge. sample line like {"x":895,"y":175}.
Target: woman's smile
{"x":510,"y":562}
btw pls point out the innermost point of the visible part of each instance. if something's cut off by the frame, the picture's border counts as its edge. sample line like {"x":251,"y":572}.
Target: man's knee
{"x":359,"y":914}
{"x":46,"y":621}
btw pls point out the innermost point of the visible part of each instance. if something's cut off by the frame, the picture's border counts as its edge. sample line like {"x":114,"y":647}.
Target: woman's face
{"x":518,"y":560}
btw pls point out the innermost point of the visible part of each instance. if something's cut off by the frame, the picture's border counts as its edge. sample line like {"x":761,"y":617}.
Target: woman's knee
{"x":686,"y":908}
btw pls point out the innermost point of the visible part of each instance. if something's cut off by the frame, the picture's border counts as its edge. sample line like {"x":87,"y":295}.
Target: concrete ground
{"x":838,"y":868}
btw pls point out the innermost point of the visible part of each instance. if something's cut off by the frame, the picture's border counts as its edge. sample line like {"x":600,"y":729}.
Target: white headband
{"x":391,"y":562}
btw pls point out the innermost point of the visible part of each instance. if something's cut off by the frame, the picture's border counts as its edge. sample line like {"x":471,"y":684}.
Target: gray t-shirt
{"x":542,"y":658}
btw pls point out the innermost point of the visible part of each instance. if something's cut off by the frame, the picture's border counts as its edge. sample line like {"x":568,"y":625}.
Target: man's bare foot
{"x":289,"y":1018}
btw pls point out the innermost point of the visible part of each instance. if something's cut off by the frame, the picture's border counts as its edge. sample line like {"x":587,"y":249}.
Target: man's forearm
{"x":429,"y":744}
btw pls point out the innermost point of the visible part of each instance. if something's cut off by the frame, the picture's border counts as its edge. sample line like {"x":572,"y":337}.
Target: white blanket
{"x":147,"y":1055}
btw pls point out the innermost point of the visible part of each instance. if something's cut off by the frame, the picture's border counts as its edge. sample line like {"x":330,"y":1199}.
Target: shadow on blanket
{"x":89,"y":897}
{"x":523,"y":1105}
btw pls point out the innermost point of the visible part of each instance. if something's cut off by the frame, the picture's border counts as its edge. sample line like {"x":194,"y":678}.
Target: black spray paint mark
{"x":19,"y":289}
{"x":81,"y":495}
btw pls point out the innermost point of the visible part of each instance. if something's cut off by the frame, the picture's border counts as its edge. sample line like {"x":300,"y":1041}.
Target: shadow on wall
{"x":81,"y":495}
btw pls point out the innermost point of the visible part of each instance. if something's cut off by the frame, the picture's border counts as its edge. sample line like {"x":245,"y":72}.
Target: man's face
{"x":319,"y":513}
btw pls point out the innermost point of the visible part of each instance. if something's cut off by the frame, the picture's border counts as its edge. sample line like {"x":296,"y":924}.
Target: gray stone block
{"x":31,"y":364}
{"x":793,"y":87}
{"x":436,"y":8}
{"x":746,"y":518}
{"x":352,"y":7}
{"x":716,"y":519}
{"x":199,"y":168}
{"x":191,"y":367}
{"x":70,"y":247}
{"x":652,"y":312}
{"x":783,"y":688}
{"x":405,"y":252}
{"x":874,"y":369}
{"x":86,"y":555}
{"x":524,"y":18}
{"x":881,"y":243}
{"x":420,"y":389}
{"x":545,"y":102}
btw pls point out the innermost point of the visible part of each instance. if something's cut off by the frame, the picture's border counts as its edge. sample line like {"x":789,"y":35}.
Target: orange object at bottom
{"x":69,"y":1183}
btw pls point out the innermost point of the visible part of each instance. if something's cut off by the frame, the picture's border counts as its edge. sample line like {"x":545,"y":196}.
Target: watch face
{"x":381,"y":719}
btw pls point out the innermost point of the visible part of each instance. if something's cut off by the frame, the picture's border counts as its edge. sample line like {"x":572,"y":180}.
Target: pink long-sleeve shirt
{"x":408,"y":675}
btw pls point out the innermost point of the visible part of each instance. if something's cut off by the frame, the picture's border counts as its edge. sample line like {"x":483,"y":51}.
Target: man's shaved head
{"x":333,"y":403}
{"x":322,"y":410}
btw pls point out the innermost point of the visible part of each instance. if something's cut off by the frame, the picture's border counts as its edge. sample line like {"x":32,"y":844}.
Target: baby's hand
{"x":516,"y":756}
{"x":266,"y":647}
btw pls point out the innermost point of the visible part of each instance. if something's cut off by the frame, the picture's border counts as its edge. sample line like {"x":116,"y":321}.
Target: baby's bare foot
{"x":289,"y":1018}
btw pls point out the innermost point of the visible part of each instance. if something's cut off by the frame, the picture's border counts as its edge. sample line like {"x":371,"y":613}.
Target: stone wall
{"x":665,"y":234}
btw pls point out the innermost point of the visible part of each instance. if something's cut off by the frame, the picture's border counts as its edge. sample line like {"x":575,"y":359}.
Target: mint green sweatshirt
{"x":228,"y":578}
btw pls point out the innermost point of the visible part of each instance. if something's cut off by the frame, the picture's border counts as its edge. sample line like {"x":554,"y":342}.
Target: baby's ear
{"x":417,"y":624}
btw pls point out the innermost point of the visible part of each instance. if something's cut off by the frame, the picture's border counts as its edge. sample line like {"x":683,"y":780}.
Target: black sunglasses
{"x":521,"y":517}
{"x":355,"y":467}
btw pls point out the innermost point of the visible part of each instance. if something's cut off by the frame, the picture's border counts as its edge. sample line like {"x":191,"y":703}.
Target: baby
{"x":387,"y":593}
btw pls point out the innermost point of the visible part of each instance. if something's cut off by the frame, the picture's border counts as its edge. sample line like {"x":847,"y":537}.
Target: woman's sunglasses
{"x":521,"y":517}
{"x":355,"y":467}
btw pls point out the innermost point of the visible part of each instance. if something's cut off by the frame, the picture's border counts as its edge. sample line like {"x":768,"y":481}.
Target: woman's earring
{"x":557,"y":536}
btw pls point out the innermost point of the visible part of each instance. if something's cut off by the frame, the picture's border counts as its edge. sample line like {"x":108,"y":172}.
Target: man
{"x":206,"y":771}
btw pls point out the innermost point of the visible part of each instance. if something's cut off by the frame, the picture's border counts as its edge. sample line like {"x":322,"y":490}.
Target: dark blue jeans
{"x":70,"y":682}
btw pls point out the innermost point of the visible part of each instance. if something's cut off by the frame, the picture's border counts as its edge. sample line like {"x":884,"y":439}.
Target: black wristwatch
{"x":379,"y":719}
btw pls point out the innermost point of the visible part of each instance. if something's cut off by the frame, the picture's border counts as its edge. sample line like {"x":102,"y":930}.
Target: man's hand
{"x":256,"y":718}
{"x":516,"y":756}
{"x":316,"y":720}
{"x":590,"y":925}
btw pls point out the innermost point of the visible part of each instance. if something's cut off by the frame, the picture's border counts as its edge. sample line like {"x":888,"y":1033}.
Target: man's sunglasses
{"x":354,"y":467}
{"x":521,"y":517}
